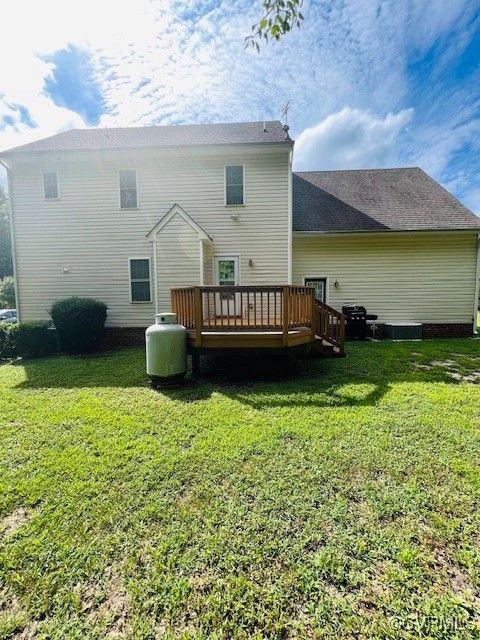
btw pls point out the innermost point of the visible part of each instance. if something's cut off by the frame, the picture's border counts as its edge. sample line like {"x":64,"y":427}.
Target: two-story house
{"x":124,"y":215}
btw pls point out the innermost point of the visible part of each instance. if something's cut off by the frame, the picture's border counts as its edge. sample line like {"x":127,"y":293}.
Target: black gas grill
{"x":356,"y":317}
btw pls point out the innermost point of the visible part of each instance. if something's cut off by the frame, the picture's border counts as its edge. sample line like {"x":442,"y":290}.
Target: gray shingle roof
{"x":375,"y":200}
{"x":163,"y":136}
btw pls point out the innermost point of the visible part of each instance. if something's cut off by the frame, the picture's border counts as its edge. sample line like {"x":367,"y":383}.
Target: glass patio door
{"x":226,"y":275}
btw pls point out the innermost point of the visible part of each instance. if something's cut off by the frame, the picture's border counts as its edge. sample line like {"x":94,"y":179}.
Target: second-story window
{"x":128,"y":188}
{"x":50,"y":185}
{"x":234,"y":184}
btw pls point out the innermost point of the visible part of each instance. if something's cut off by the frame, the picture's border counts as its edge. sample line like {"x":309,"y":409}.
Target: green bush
{"x":79,"y":323}
{"x":4,"y":339}
{"x":31,"y":339}
{"x":7,"y":293}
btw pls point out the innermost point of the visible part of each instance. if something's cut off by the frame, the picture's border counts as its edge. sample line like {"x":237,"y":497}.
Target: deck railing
{"x":256,"y":308}
{"x":329,"y":324}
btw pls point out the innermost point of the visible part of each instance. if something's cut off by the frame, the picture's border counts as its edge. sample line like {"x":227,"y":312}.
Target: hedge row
{"x":79,"y":324}
{"x":27,"y":340}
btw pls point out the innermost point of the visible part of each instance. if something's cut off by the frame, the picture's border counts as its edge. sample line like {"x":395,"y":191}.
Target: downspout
{"x":12,"y":238}
{"x":200,"y":253}
{"x":290,"y":216}
{"x":155,"y":273}
{"x":477,"y":287}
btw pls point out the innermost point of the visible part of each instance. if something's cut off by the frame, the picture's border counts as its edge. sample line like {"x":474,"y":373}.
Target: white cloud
{"x":351,"y":139}
{"x":51,"y":25}
{"x":169,"y":61}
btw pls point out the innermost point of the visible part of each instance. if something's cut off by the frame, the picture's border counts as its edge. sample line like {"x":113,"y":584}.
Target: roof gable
{"x":177,"y":210}
{"x":375,"y":200}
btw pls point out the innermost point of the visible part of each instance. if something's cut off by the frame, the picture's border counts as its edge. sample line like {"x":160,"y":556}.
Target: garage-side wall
{"x":402,"y":277}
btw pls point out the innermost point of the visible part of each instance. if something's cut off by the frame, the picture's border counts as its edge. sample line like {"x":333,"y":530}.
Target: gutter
{"x":477,"y":287}
{"x":12,"y":153}
{"x":12,"y":238}
{"x":359,"y":232}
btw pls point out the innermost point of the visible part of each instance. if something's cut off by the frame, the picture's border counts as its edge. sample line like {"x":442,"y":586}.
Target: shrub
{"x":31,"y":339}
{"x":80,"y":324}
{"x":4,"y":338}
{"x":7,"y":293}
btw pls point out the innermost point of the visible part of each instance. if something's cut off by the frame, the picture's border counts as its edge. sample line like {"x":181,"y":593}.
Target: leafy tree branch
{"x":278,"y":18}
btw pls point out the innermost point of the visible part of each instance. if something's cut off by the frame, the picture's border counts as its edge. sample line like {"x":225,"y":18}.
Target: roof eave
{"x":370,"y":231}
{"x":16,"y":151}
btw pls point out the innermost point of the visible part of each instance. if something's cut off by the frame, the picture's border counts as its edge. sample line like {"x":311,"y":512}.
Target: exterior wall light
{"x":336,"y":284}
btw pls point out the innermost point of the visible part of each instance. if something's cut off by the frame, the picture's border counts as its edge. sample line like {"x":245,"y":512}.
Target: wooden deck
{"x":276,"y":317}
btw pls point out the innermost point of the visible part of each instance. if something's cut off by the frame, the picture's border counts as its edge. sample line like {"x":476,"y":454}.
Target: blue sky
{"x":373,"y":83}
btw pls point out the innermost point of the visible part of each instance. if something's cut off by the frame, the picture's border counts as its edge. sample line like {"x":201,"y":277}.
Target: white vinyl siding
{"x":50,"y":185}
{"x":234,"y":185}
{"x":140,"y":290}
{"x":178,"y":259}
{"x":86,"y":232}
{"x":402,"y":277}
{"x":127,"y":180}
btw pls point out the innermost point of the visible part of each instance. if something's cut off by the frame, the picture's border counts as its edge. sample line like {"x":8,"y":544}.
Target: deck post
{"x":341,"y":335}
{"x":286,"y":296}
{"x":312,"y":313}
{"x":195,"y":362}
{"x":198,"y":315}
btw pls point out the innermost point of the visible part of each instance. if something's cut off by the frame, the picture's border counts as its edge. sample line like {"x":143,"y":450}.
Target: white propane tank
{"x":166,"y":345}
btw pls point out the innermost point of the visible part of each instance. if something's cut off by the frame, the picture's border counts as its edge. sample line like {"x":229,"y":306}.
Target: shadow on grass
{"x":361,"y":379}
{"x":123,"y":368}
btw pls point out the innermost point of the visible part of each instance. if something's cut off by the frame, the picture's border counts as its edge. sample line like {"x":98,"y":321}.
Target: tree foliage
{"x":278,"y":18}
{"x":6,"y":265}
{"x":7,"y":293}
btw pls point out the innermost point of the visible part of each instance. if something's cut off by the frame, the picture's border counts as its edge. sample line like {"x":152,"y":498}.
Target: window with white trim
{"x":234,"y":184}
{"x":140,"y":280}
{"x":50,"y":185}
{"x":127,"y":179}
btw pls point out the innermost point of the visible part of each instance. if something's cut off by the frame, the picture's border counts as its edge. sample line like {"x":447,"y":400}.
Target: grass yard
{"x":342,"y":502}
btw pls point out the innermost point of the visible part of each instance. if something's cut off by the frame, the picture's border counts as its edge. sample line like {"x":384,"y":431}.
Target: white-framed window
{"x":128,"y":186}
{"x":234,"y":184}
{"x":139,"y":271}
{"x":320,"y":286}
{"x":50,"y":185}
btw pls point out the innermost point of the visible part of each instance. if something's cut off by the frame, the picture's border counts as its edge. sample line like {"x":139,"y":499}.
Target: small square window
{"x":140,"y":280}
{"x":128,"y":188}
{"x":234,"y":185}
{"x":50,"y":185}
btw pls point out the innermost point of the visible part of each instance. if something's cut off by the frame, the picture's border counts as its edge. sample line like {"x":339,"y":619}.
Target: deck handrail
{"x":329,"y":324}
{"x":279,"y":308}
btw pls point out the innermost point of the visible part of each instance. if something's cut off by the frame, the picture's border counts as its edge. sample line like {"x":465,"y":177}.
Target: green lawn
{"x":343,"y":502}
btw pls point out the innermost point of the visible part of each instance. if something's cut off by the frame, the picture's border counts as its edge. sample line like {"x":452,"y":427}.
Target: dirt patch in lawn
{"x":11,"y":523}
{"x":12,"y":615}
{"x":113,"y":611}
{"x":463,"y":369}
